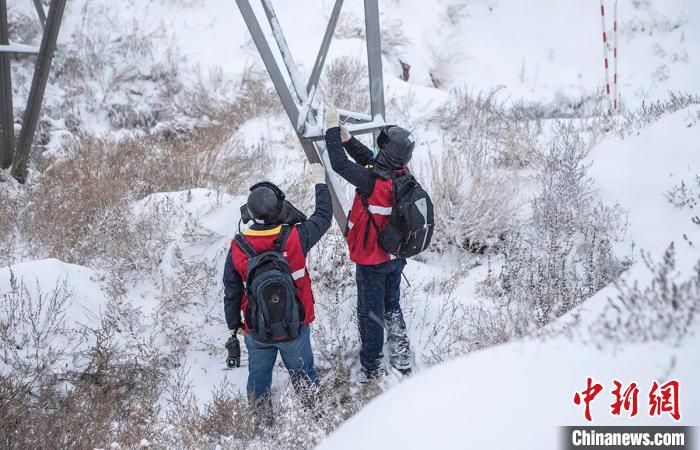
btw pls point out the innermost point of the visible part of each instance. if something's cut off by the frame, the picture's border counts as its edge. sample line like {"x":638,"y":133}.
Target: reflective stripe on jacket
{"x":363,"y":241}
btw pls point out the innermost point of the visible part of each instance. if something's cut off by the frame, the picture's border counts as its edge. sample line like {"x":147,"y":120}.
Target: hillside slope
{"x":143,"y":88}
{"x":468,"y":401}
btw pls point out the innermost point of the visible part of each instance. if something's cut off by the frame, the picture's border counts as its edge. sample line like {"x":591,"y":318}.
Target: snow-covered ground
{"x":545,"y":52}
{"x":527,"y":387}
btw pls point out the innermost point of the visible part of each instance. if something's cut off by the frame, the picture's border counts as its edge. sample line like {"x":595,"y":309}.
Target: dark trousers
{"x":378,"y":295}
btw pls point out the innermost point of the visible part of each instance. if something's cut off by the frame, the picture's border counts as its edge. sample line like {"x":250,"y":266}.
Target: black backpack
{"x":410,"y":226}
{"x":274,"y":313}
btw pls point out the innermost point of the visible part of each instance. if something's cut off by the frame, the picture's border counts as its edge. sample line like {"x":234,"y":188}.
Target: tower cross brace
{"x":304,"y":113}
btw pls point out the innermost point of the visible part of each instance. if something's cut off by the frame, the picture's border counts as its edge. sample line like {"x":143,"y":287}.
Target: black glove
{"x":234,"y":352}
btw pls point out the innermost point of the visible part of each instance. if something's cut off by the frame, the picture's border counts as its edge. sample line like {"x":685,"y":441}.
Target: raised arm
{"x":358,"y":151}
{"x":353,"y":172}
{"x":312,"y":230}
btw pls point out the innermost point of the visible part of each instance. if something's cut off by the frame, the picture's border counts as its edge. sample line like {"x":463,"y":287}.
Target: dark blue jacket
{"x":310,"y":232}
{"x":354,"y":172}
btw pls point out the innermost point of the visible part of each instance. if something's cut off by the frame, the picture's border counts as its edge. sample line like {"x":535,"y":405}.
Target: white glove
{"x":330,"y":117}
{"x":344,"y":133}
{"x":318,"y":174}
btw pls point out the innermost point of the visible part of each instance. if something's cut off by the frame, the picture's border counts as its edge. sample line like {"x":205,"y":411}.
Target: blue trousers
{"x":378,"y":295}
{"x":296,"y":356}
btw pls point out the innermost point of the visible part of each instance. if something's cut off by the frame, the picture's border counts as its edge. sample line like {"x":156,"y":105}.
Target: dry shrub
{"x":82,"y":209}
{"x":138,"y":85}
{"x":82,"y":198}
{"x":56,"y":392}
{"x":10,"y":209}
{"x":663,"y":311}
{"x":226,"y":414}
{"x":475,"y":204}
{"x":300,"y":419}
{"x":484,"y":127}
{"x":83,"y":411}
{"x":34,"y":336}
{"x":564,"y":255}
{"x":344,"y":84}
{"x":212,"y":98}
{"x":349,"y":26}
{"x":636,"y":120}
{"x":393,"y":38}
{"x":119,"y":73}
{"x":685,"y":195}
{"x":23,"y":28}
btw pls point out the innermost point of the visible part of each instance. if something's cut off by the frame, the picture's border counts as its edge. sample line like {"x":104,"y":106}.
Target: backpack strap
{"x":365,"y":204}
{"x":245,"y":246}
{"x":281,"y":240}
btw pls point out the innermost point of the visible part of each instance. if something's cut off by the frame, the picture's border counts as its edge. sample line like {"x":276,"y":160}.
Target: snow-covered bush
{"x":58,"y":392}
{"x":350,"y":26}
{"x":113,"y":402}
{"x":436,"y":328}
{"x":34,"y":336}
{"x":82,"y":210}
{"x":114,"y":69}
{"x":23,"y":28}
{"x":212,"y":96}
{"x":683,"y":195}
{"x":184,"y":295}
{"x":633,"y":121}
{"x":663,"y":311}
{"x":445,"y":63}
{"x":229,"y":421}
{"x":111,"y":67}
{"x":485,"y":127}
{"x":12,"y":199}
{"x":475,"y":204}
{"x":476,"y":196}
{"x":344,"y":84}
{"x":489,"y":325}
{"x":334,"y":336}
{"x":648,"y":20}
{"x":393,"y":37}
{"x":565,"y":254}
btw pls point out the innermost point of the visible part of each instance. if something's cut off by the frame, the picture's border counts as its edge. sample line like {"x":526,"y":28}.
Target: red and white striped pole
{"x":605,"y":56}
{"x":616,"y":95}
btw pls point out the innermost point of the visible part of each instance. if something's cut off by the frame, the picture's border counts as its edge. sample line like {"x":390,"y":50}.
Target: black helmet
{"x":265,"y":202}
{"x":396,"y":147}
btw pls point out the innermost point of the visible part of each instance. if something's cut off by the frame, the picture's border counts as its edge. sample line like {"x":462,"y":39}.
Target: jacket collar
{"x":262,"y":230}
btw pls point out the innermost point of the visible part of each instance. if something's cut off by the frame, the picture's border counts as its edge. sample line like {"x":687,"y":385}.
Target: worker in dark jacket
{"x":378,"y":273}
{"x":265,"y":202}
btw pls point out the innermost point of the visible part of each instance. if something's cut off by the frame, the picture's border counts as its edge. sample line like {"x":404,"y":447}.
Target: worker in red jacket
{"x":269,"y":231}
{"x":378,"y":273}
